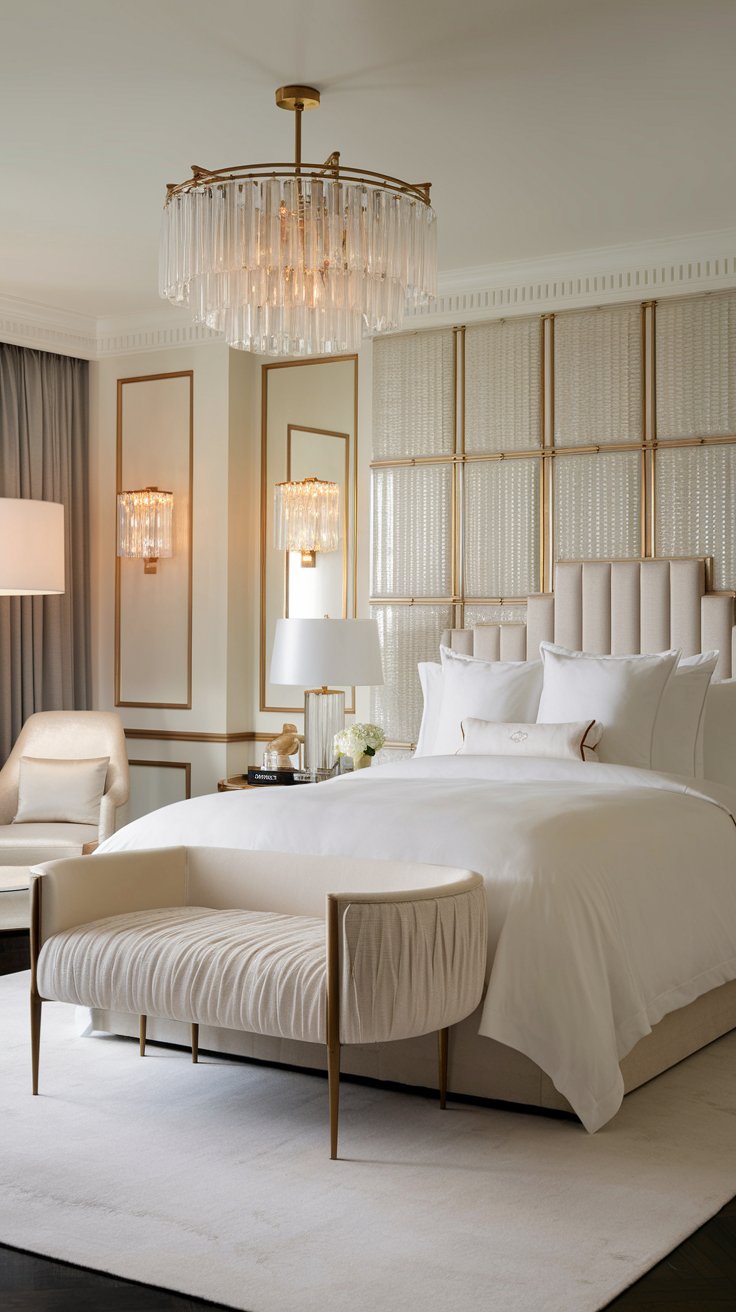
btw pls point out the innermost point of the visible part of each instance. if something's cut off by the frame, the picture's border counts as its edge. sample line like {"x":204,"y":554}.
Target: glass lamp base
{"x":324,"y":716}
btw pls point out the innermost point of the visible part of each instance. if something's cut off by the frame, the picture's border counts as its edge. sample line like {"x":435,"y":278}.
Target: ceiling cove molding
{"x":44,"y":328}
{"x":677,"y":266}
{"x":671,"y":267}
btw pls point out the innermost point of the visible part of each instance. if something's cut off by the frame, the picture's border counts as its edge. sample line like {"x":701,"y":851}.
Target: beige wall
{"x":225,"y":568}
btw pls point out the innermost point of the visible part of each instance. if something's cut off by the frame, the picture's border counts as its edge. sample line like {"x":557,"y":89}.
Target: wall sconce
{"x":307,"y":518}
{"x":145,"y":525}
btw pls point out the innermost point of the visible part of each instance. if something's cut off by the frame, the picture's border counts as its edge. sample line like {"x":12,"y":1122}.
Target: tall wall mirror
{"x":309,"y":433}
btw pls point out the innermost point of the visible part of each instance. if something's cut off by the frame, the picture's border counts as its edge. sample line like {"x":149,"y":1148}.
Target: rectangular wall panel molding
{"x":501,"y":519}
{"x":153,"y":612}
{"x":598,"y":506}
{"x":154,"y":784}
{"x":411,"y":529}
{"x":696,"y":497}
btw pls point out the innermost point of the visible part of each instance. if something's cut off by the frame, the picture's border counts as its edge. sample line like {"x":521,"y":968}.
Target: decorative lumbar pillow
{"x":60,"y":791}
{"x":623,"y":693}
{"x":678,"y":733}
{"x":506,"y":691}
{"x":430,"y":677}
{"x":562,"y":742}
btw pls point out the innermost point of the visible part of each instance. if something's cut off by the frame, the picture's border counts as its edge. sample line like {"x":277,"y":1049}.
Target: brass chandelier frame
{"x":298,"y":99}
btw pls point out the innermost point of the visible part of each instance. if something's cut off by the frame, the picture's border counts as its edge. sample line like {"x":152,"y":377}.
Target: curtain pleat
{"x":44,"y":436}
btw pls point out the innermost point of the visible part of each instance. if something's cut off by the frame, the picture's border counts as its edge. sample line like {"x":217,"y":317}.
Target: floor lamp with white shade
{"x":320,"y":652}
{"x":31,"y":547}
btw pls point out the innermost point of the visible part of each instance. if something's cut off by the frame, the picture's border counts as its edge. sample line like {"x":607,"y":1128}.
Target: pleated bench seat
{"x":227,"y":938}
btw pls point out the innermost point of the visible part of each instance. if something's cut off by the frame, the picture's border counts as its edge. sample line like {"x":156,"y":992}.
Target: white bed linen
{"x":611,"y":890}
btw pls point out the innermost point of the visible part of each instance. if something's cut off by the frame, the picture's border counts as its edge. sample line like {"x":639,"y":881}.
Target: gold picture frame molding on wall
{"x":186,"y":766}
{"x":122,"y":382}
{"x":265,"y":372}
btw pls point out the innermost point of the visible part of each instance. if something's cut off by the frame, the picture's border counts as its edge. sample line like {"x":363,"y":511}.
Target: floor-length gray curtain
{"x":44,"y":428}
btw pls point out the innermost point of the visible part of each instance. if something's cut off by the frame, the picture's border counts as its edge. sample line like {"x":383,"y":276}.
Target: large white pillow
{"x":67,"y":791}
{"x":623,"y":693}
{"x":430,"y":677}
{"x":560,"y":742}
{"x":484,"y":690}
{"x":678,"y":733}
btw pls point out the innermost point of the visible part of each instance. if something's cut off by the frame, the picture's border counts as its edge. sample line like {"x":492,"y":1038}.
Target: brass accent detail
{"x":36,"y":999}
{"x":142,"y":1023}
{"x":195,"y":1043}
{"x":122,"y":382}
{"x":297,"y":98}
{"x":265,"y":371}
{"x":186,"y":766}
{"x":447,"y":601}
{"x":300,"y":98}
{"x":191,"y":736}
{"x":442,"y":1036}
{"x":333,"y":1018}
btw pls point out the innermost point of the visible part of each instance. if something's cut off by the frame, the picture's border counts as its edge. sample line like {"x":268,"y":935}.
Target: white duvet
{"x":611,"y":890}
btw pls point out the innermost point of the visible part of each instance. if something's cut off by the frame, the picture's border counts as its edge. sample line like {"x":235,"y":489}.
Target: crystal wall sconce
{"x":145,"y":526}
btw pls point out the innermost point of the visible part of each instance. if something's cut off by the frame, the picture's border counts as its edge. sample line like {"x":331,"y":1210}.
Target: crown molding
{"x":667,"y":267}
{"x":670,"y":267}
{"x":46,"y":328}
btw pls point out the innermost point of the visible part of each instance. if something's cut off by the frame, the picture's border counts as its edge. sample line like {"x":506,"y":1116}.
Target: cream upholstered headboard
{"x":617,"y":607}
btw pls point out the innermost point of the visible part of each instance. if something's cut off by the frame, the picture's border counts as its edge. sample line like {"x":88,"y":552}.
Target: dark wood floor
{"x":699,"y":1276}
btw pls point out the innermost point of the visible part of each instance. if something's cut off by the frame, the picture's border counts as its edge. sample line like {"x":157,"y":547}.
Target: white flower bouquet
{"x":359,"y":740}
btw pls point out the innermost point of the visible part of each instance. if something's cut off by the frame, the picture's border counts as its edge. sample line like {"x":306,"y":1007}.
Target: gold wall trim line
{"x":184,"y":736}
{"x":447,"y":601}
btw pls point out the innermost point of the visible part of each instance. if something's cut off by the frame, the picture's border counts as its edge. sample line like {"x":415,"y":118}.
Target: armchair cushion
{"x":29,"y":844}
{"x":67,"y":791}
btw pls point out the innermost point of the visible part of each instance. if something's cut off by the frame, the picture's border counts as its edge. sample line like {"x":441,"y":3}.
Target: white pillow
{"x":430,"y":677}
{"x":60,"y":791}
{"x":678,"y":733}
{"x":623,"y":693}
{"x":564,"y":742}
{"x":486,"y":690}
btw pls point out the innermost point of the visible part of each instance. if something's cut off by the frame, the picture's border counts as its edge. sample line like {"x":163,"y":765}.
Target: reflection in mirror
{"x":309,"y":431}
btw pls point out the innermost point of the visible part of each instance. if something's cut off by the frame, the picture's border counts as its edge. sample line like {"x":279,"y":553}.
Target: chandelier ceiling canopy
{"x":297,"y":259}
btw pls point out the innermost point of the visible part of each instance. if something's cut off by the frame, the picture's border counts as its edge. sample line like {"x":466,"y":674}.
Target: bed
{"x":611,"y":889}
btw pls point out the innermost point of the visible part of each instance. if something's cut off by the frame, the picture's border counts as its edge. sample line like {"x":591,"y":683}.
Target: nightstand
{"x":235,"y":781}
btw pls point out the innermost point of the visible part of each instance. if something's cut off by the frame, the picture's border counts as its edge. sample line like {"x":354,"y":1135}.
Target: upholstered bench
{"x":214,"y":936}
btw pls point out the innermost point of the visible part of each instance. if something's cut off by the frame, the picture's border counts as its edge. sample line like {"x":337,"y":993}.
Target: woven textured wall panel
{"x":598,"y":376}
{"x":597,"y":506}
{"x":501,"y":511}
{"x":412,"y":519}
{"x":696,"y":367}
{"x":503,"y":386}
{"x":408,"y":634}
{"x":695,"y":500}
{"x":413,"y":402}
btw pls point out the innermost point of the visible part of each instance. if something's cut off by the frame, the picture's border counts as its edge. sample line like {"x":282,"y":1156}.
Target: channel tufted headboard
{"x":617,"y":607}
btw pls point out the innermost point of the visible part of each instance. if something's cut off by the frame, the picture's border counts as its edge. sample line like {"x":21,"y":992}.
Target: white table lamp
{"x":31,"y":547}
{"x":321,"y":652}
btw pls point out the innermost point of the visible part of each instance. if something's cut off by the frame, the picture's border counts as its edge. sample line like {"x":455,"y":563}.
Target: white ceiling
{"x":545,"y":126}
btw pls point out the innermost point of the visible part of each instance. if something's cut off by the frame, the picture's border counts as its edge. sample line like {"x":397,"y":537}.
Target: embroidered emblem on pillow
{"x":519,"y":736}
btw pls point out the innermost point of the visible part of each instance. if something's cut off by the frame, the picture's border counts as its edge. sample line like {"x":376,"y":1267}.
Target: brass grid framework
{"x":547,"y":452}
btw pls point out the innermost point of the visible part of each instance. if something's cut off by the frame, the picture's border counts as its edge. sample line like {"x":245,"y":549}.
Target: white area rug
{"x":215,"y":1180}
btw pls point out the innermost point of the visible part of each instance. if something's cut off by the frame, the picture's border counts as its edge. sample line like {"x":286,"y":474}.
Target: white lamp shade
{"x":31,"y":547}
{"x":316,"y":653}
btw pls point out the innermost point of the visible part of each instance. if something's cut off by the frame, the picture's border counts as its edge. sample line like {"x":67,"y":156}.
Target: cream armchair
{"x":58,"y":735}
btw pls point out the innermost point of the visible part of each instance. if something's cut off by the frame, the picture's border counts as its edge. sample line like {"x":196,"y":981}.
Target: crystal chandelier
{"x":145,"y":525}
{"x":297,"y":259}
{"x":307,"y":517}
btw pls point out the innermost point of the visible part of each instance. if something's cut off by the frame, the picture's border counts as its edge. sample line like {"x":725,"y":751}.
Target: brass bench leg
{"x":333,"y":1081}
{"x":35,"y":1037}
{"x":442,"y":1055}
{"x":195,"y":1043}
{"x":142,"y":1032}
